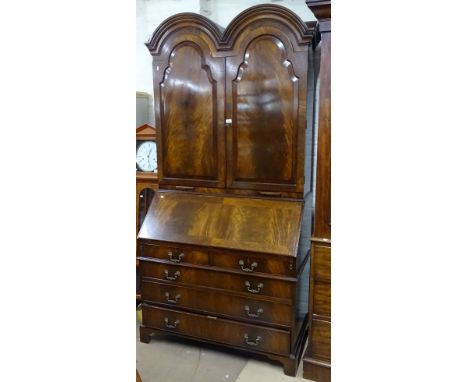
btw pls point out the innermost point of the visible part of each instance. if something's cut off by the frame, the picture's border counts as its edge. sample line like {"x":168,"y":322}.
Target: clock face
{"x":146,"y":156}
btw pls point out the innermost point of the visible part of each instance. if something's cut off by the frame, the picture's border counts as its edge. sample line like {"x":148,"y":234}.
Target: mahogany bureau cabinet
{"x":224,"y":250}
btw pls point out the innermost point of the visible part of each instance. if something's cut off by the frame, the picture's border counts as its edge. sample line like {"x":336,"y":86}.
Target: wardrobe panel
{"x":188,"y":113}
{"x":189,"y":94}
{"x":264,"y":103}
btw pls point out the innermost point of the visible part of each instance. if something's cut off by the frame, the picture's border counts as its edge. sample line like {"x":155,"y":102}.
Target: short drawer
{"x":320,"y":339}
{"x":228,"y":332}
{"x":174,"y":254}
{"x":215,"y":303}
{"x":322,"y":293}
{"x":250,"y":285}
{"x":255,"y":263}
{"x":321,"y":262}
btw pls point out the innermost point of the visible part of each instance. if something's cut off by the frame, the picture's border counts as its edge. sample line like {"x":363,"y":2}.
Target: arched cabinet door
{"x":266,"y":90}
{"x":189,"y":102}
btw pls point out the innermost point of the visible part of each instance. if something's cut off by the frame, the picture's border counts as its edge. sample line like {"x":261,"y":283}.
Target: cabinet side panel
{"x":301,"y":302}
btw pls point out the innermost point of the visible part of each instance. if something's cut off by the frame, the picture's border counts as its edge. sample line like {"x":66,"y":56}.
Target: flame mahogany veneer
{"x":224,"y":248}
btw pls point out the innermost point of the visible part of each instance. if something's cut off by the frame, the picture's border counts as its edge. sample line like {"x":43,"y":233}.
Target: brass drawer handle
{"x":176,"y":260}
{"x":251,"y":343}
{"x":253,"y":315}
{"x":172,"y":278}
{"x":174,"y":301}
{"x":259,"y":286}
{"x":171,"y":326}
{"x":252,"y":266}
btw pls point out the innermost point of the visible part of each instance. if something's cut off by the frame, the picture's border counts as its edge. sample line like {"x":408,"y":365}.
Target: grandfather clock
{"x":146,"y":181}
{"x":146,"y":174}
{"x":317,"y":358}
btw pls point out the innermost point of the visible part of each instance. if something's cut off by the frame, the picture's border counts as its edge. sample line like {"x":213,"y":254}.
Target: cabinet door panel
{"x":265,"y":97}
{"x":191,"y":111}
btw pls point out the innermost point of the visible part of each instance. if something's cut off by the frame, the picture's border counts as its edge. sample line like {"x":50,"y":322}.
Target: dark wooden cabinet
{"x":317,"y":358}
{"x":224,"y":249}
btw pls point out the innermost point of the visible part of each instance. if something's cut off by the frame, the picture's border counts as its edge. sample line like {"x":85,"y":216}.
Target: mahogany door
{"x":189,"y":109}
{"x":266,"y":84}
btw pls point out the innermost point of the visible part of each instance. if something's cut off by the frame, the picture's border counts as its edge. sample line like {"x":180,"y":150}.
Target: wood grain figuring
{"x":254,"y":74}
{"x":317,"y":359}
{"x":174,"y":254}
{"x":322,"y":263}
{"x":322,"y":298}
{"x":260,"y":225}
{"x":219,"y":330}
{"x":189,"y":138}
{"x":180,"y":275}
{"x":223,"y":257}
{"x":247,"y":262}
{"x":322,"y":222}
{"x":321,"y":335}
{"x":217,"y":304}
{"x":258,"y":263}
{"x":264,"y":104}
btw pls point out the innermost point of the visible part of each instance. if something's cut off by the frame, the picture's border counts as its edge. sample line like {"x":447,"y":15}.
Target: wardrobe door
{"x":189,"y":110}
{"x":266,"y":85}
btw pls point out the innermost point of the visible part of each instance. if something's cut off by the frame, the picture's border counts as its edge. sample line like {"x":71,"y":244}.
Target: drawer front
{"x":322,"y":294}
{"x":321,"y":262}
{"x":251,"y":263}
{"x":249,"y":285}
{"x":217,"y":303}
{"x":320,"y":339}
{"x":174,"y":254}
{"x":247,"y":336}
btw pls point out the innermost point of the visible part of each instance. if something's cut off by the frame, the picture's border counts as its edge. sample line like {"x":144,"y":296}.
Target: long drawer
{"x":242,"y":261}
{"x":215,"y":303}
{"x":233,"y":333}
{"x":248,"y":284}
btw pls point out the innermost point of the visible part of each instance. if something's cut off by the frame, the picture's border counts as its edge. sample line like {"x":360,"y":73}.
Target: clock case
{"x":145,"y":133}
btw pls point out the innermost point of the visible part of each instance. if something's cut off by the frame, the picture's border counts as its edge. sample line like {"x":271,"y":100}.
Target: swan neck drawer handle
{"x":172,"y":278}
{"x":174,"y":259}
{"x":171,"y":326}
{"x":249,"y":289}
{"x":245,"y":269}
{"x":253,"y":315}
{"x":174,"y":301}
{"x":252,"y":343}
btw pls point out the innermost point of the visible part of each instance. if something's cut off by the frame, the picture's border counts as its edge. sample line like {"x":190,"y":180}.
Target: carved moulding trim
{"x":225,"y":39}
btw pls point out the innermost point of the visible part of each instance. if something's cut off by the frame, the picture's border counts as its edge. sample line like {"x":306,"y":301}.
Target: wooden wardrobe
{"x":317,"y":358}
{"x":224,"y":249}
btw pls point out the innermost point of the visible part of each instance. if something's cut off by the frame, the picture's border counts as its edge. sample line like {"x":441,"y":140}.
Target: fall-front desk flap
{"x":239,"y":223}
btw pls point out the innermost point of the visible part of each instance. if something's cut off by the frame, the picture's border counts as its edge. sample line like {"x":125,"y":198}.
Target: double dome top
{"x":224,"y":38}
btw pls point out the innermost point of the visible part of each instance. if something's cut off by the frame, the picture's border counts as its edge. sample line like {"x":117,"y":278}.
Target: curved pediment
{"x":222,"y":40}
{"x":184,"y":22}
{"x":268,"y":14}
